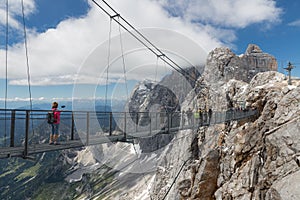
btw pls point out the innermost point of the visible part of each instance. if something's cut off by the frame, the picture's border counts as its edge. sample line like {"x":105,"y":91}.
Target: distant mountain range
{"x":80,"y":104}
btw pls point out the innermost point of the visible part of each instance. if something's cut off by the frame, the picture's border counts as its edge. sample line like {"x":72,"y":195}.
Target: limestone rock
{"x":252,"y":159}
{"x":245,"y":160}
{"x":223,"y":65}
{"x":258,"y":158}
{"x":252,"y":48}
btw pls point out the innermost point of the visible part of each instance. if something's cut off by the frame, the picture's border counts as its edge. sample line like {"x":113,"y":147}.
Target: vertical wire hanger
{"x":108,"y":65}
{"x":123,"y":60}
{"x":6,"y":73}
{"x":27,"y":62}
{"x":156,"y":69}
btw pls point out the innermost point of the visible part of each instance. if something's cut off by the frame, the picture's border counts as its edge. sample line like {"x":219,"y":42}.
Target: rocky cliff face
{"x":168,"y":93}
{"x":251,"y":159}
{"x":256,"y":158}
{"x":223,"y":64}
{"x":165,"y":96}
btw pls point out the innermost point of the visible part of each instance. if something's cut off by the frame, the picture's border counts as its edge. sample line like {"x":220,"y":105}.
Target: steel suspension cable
{"x":140,"y":34}
{"x":27,"y":61}
{"x":123,"y":60}
{"x":108,"y":65}
{"x":155,"y":50}
{"x":6,"y":74}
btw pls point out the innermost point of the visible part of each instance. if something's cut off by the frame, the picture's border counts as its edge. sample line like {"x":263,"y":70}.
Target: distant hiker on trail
{"x":162,"y":114}
{"x":55,"y":114}
{"x":189,"y":114}
{"x":196,"y":117}
{"x":200,"y":111}
{"x":183,"y":118}
{"x":209,"y":115}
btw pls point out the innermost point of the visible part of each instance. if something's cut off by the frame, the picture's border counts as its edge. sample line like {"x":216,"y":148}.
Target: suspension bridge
{"x":24,"y":141}
{"x":26,"y":132}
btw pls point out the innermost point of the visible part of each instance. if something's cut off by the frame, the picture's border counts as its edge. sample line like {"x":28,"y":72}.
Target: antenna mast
{"x":289,"y":69}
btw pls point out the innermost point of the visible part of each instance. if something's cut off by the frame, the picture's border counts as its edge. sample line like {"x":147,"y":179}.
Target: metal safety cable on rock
{"x":143,"y":174}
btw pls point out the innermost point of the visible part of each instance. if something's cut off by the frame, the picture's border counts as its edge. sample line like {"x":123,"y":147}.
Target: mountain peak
{"x":222,"y":64}
{"x":253,"y":48}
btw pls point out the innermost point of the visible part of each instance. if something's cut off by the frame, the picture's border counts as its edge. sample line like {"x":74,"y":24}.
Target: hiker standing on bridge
{"x":55,"y":125}
{"x":189,"y":114}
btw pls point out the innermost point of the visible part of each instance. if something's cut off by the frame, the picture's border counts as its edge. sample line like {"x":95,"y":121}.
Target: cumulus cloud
{"x":225,"y":13}
{"x":295,"y":23}
{"x":14,"y":10}
{"x":77,"y":49}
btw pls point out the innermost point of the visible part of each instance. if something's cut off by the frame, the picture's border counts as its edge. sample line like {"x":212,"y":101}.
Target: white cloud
{"x":226,"y":13}
{"x":22,"y":99}
{"x":59,"y":55}
{"x":14,"y":10}
{"x":295,"y":23}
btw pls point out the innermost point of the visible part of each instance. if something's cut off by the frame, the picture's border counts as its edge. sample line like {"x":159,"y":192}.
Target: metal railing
{"x":28,"y":127}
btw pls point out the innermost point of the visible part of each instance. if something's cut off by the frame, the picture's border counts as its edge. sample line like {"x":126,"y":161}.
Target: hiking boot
{"x":51,"y":139}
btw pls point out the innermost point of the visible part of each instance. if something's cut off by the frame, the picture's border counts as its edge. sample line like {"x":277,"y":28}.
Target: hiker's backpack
{"x":50,"y":117}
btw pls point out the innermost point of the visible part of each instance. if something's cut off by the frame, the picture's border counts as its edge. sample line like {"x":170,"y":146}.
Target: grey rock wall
{"x":252,"y":159}
{"x":256,"y":158}
{"x":222,"y":64}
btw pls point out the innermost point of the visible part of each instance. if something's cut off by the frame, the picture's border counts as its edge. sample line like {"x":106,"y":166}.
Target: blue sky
{"x":51,"y":13}
{"x":63,"y":36}
{"x":281,"y":40}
